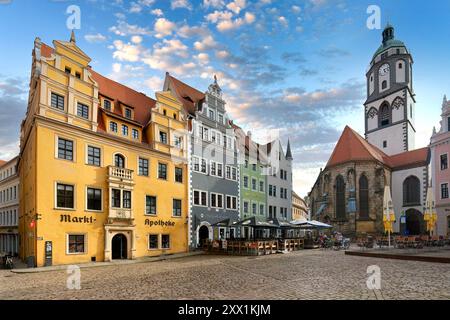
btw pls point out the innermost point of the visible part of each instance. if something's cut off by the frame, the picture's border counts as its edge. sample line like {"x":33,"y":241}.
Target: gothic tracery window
{"x":385,"y":118}
{"x":363,"y":197}
{"x":340,"y":198}
{"x":411,"y":191}
{"x":398,"y":102}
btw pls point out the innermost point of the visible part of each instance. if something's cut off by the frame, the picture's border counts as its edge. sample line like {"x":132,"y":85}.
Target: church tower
{"x":390,"y":104}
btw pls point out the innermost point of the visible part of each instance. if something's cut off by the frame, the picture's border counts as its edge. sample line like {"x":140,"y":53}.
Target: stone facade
{"x":323,"y":197}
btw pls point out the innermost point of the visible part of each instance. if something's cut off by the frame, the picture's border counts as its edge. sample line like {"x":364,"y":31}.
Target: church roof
{"x":352,"y":147}
{"x":389,"y":41}
{"x":410,"y":159}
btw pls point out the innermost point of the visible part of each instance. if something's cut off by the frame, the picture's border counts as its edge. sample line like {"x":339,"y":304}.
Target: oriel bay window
{"x":65,"y":149}
{"x":115,"y":198}
{"x":64,"y":196}
{"x":150,"y":205}
{"x":126,"y":199}
{"x":94,"y":199}
{"x":176,"y":211}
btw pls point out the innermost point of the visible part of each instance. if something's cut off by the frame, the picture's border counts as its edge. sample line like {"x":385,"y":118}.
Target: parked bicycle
{"x":8,"y":262}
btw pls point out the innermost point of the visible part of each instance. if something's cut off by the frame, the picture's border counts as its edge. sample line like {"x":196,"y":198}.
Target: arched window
{"x":119,"y":161}
{"x":385,"y":118}
{"x":340,"y":198}
{"x":363,"y":197}
{"x":411,"y":191}
{"x":384,"y":85}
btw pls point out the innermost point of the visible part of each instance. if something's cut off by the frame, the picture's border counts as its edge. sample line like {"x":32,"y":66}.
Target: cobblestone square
{"x":312,"y":274}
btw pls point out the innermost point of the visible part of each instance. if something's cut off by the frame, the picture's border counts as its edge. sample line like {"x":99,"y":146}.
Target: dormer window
{"x":128,"y":113}
{"x":384,"y":85}
{"x":107,"y":105}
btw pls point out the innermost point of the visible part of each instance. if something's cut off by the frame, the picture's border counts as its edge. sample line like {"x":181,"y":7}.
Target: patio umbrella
{"x":388,"y":213}
{"x":430,"y":215}
{"x":311,"y":224}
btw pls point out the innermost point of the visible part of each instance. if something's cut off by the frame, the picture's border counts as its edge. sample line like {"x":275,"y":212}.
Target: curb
{"x":107,"y":264}
{"x":399,"y":257}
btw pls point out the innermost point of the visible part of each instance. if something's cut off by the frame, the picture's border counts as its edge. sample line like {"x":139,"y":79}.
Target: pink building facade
{"x":440,"y":170}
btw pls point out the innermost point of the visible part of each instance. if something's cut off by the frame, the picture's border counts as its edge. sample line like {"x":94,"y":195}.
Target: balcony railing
{"x":120,"y":173}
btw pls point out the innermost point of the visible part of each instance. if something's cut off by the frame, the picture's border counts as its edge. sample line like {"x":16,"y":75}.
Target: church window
{"x":340,"y":198}
{"x":384,"y":85}
{"x":385,"y":115}
{"x":400,"y":65}
{"x":411,"y":191}
{"x":363,"y":197}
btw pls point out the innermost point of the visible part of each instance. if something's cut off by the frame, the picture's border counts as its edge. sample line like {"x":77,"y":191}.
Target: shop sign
{"x":161,"y":223}
{"x":68,"y":218}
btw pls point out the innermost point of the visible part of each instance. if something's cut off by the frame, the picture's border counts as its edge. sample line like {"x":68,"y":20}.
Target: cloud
{"x":163,"y":28}
{"x":283,"y":21}
{"x":213,"y":4}
{"x":205,"y":44}
{"x":126,"y":51}
{"x":124,"y":29}
{"x":95,"y":38}
{"x":137,"y":7}
{"x":236,"y":6}
{"x":177,"y":4}
{"x":333,"y":52}
{"x":13,"y":104}
{"x":187,"y":31}
{"x":154,"y":83}
{"x":157,"y":12}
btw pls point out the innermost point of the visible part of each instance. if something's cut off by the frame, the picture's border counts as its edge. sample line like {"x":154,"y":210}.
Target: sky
{"x":293,"y":66}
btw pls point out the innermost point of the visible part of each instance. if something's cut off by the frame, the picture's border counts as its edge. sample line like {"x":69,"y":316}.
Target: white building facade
{"x":9,"y":208}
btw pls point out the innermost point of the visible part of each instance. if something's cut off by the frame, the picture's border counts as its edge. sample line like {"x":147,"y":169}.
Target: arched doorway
{"x":203,"y":234}
{"x":414,"y":222}
{"x":119,"y":247}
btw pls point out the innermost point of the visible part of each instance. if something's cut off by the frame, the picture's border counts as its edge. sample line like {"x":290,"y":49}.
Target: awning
{"x":225,"y":223}
{"x":258,"y":223}
{"x":312,"y":224}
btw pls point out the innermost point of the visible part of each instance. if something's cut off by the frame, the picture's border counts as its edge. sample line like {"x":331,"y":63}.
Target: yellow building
{"x":299,"y":207}
{"x":103,"y":168}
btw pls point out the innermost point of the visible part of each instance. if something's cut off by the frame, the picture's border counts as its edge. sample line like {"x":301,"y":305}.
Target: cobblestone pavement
{"x":312,"y":274}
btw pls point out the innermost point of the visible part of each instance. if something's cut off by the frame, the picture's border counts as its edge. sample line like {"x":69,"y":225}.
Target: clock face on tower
{"x":384,"y":70}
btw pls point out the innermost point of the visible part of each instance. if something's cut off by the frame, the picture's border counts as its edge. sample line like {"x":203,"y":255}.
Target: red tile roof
{"x":415,"y":158}
{"x":2,"y":162}
{"x":352,"y":147}
{"x":121,"y":94}
{"x":46,"y":51}
{"x":188,"y":95}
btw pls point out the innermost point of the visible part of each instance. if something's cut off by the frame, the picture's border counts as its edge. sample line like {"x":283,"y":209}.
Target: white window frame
{"x":216,"y":195}
{"x":74,"y":148}
{"x":85,"y":243}
{"x":231,"y":202}
{"x":263,"y":184}
{"x":448,"y":164}
{"x":158,"y":236}
{"x":264,"y":209}
{"x":440,"y":190}
{"x":145,"y":206}
{"x":170,"y":241}
{"x":86,"y":158}
{"x":256,"y":184}
{"x":55,"y":186}
{"x":243,"y":206}
{"x":243,"y":182}
{"x":200,"y":197}
{"x":86,"y":198}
